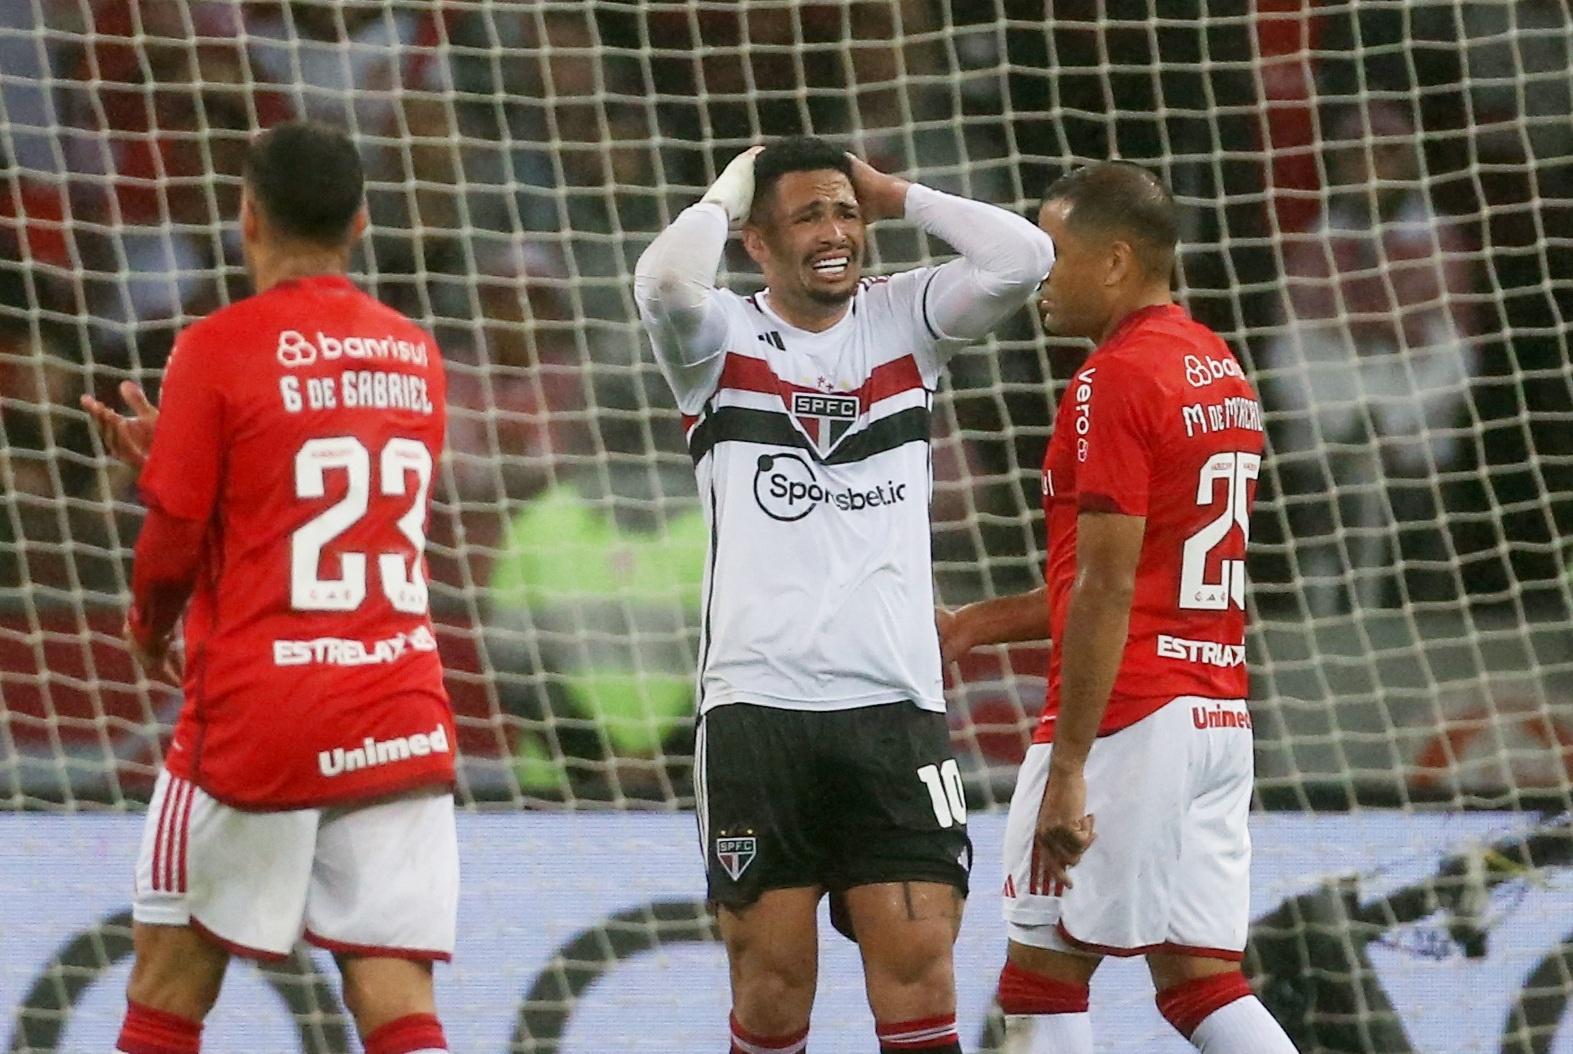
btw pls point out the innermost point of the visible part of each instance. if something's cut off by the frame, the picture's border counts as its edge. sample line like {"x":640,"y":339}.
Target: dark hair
{"x":799,"y":153}
{"x":1120,"y":199}
{"x":307,"y":179}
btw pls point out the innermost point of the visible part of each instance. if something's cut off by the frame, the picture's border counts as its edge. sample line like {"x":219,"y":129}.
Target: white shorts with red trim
{"x":1169,"y":869}
{"x":375,"y":879}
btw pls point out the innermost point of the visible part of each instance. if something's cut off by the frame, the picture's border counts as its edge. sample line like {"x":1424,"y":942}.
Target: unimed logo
{"x":373,"y":752}
{"x":787,"y":490}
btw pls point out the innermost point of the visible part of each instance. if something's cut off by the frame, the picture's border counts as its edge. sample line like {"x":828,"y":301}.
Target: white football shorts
{"x":1169,"y":869}
{"x":380,"y":878}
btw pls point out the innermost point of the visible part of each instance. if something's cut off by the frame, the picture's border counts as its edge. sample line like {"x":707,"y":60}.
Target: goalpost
{"x":1376,"y":201}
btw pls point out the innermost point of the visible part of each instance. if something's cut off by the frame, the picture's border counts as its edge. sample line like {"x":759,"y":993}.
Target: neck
{"x":806,"y":313}
{"x":1147,"y":296}
{"x":271,"y":268}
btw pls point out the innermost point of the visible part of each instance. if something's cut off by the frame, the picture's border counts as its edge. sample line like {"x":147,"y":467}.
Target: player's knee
{"x":175,"y":971}
{"x":378,"y":990}
{"x":773,"y":998}
{"x":915,"y":984}
{"x":1170,"y":970}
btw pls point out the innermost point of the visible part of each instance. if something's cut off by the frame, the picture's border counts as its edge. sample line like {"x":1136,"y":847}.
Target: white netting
{"x":1377,"y":201}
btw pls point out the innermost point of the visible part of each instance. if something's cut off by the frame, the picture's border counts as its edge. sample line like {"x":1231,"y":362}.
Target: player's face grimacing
{"x":812,"y":237}
{"x":1074,"y":300}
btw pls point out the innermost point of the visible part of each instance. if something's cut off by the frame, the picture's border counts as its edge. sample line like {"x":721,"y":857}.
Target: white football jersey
{"x":812,"y":454}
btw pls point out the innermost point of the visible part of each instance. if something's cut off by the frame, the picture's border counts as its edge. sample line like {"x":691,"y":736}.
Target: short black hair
{"x":307,"y":179}
{"x":798,"y":153}
{"x":1121,"y":199}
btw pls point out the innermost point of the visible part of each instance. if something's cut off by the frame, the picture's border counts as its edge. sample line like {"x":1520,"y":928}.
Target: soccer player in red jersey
{"x":1147,"y":491}
{"x":308,"y":791}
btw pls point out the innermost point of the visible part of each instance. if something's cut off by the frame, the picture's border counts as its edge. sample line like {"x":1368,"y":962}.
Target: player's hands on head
{"x":126,"y":438}
{"x":733,"y":189}
{"x":155,"y":656}
{"x":880,"y":196}
{"x":1065,"y":827}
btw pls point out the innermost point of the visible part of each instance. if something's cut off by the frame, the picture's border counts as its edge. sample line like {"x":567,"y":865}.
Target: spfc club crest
{"x":735,"y":854}
{"x":824,"y":417}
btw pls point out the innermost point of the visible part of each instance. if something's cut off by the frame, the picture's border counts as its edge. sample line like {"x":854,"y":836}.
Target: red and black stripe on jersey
{"x":720,"y":423}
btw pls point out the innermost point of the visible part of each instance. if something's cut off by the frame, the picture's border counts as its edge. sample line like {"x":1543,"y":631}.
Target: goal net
{"x":1377,"y":199}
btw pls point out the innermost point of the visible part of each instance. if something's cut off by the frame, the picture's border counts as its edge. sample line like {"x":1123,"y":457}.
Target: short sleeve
{"x":1112,"y":416}
{"x":182,"y":471}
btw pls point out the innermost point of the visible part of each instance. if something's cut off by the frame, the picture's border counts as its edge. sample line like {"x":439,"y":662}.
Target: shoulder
{"x":898,"y":298}
{"x":901,"y":288}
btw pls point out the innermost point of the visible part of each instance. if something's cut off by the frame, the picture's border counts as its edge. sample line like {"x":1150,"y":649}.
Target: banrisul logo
{"x":825,"y":418}
{"x":787,"y":490}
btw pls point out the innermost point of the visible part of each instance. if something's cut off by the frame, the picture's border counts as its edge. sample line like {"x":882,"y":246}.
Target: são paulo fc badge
{"x":735,"y":855}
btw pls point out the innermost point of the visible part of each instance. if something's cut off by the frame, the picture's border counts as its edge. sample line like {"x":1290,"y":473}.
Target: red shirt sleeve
{"x":1116,"y":451}
{"x":182,"y":471}
{"x":169,"y":554}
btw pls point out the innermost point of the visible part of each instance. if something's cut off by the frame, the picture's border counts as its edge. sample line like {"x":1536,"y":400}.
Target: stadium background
{"x":1377,"y":199}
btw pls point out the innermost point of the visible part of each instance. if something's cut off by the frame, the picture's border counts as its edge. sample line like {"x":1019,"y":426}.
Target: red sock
{"x":746,"y":1042}
{"x":929,"y":1035}
{"x":149,"y":1031}
{"x":1024,"y":992}
{"x":408,"y":1033}
{"x":1188,"y":1003}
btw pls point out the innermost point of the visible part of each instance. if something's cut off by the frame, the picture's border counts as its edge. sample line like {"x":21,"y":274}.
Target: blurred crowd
{"x":1377,"y":195}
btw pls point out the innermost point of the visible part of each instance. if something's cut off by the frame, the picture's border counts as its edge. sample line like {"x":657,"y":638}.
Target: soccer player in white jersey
{"x":1147,"y":490}
{"x":308,"y":790}
{"x":822,"y":761}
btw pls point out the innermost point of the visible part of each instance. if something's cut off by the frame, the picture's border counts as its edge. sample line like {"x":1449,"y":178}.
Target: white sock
{"x":1048,"y":1034}
{"x":1242,"y":1027}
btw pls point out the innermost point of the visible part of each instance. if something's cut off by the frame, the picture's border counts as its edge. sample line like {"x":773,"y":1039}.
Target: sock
{"x":149,"y":1031}
{"x":746,"y":1042}
{"x":410,"y":1034}
{"x":928,"y":1035}
{"x":1219,"y":1015}
{"x":1043,"y":1015}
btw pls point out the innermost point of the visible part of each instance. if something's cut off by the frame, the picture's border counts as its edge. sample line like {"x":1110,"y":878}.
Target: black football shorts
{"x":835,"y":798}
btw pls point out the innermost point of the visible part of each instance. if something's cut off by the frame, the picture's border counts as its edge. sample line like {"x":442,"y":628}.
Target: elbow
{"x":1036,"y":260}
{"x":1113,"y":589}
{"x":1022,"y":273}
{"x":659,"y":291}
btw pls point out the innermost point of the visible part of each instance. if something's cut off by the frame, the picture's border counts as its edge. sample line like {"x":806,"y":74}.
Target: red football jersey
{"x":304,"y":426}
{"x":1159,"y":422}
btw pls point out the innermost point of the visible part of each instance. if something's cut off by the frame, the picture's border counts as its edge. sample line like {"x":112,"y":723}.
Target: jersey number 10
{"x":1235,"y":470}
{"x":404,"y":586}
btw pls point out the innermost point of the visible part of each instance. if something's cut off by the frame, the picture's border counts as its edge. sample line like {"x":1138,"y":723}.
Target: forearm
{"x":1007,"y":620}
{"x":163,"y":572}
{"x":1096,"y":625}
{"x":673,"y":283}
{"x":1003,"y":259}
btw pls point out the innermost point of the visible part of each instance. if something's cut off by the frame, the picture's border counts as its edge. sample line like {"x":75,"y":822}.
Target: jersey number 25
{"x":1236,"y":471}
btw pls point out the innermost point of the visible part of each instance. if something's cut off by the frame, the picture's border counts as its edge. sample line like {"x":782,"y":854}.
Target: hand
{"x":733,"y":189}
{"x":1064,"y":829}
{"x":954,"y":638}
{"x":155,"y":656}
{"x":127,"y":439}
{"x":880,"y":196}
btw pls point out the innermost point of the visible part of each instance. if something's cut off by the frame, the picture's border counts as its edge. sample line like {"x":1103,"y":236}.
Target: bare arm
{"x":1003,"y":620}
{"x":1097,"y":622}
{"x":1108,"y":548}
